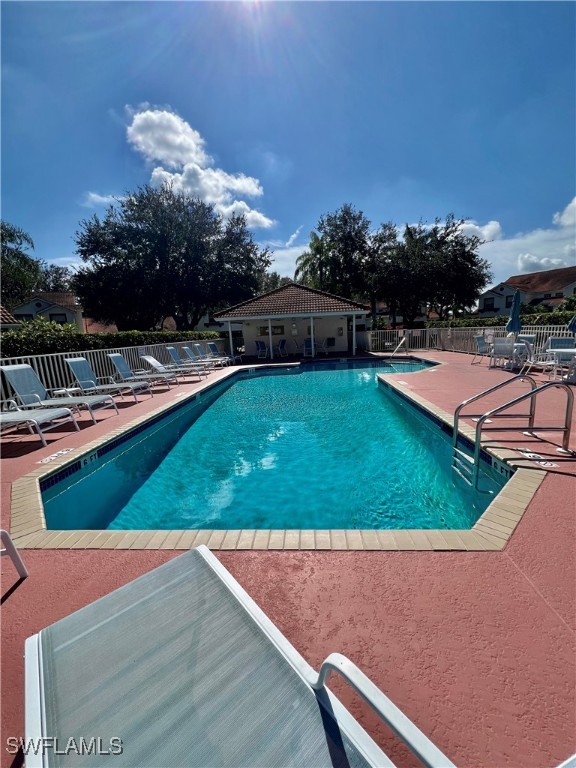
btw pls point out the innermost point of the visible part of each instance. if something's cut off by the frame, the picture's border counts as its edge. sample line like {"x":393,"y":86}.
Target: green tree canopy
{"x":21,"y":272}
{"x":335,"y":258}
{"x":159,"y":253}
{"x":430,"y":268}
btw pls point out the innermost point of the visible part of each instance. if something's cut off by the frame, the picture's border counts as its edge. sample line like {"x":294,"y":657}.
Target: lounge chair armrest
{"x":12,"y":405}
{"x":66,"y":391}
{"x":402,"y":726}
{"x":107,"y":380}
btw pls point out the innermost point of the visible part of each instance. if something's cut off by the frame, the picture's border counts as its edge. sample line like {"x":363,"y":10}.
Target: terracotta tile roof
{"x":292,"y":299}
{"x":543,"y":282}
{"x":6,"y":318}
{"x":64,"y":299}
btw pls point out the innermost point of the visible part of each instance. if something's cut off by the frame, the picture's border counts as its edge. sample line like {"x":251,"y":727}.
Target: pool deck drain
{"x":491,"y":532}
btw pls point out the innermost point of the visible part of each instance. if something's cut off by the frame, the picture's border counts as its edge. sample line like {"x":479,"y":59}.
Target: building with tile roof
{"x":547,"y":289}
{"x":58,"y":306}
{"x":7,"y":321}
{"x":295,"y":312}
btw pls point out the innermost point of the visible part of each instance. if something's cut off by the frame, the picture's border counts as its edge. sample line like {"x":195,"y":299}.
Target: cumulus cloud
{"x":161,"y":136}
{"x":94,"y":200}
{"x":537,"y":250}
{"x":490,"y":231}
{"x":567,"y":218}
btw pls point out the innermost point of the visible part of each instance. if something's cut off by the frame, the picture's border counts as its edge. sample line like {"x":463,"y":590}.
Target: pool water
{"x":320,"y":447}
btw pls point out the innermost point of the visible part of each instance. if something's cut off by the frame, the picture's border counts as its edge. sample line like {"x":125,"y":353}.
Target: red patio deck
{"x":476,"y":647}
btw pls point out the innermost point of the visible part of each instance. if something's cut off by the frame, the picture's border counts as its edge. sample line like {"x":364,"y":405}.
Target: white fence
{"x":54,"y":372}
{"x":454,"y":339}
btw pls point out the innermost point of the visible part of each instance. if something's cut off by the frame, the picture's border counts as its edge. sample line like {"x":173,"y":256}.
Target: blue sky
{"x":287,"y":110}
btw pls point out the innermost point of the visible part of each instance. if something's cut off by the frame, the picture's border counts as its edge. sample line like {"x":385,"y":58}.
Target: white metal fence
{"x":54,"y":372}
{"x":454,"y":339}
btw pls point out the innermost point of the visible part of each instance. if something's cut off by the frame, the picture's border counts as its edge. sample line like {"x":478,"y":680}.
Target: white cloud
{"x":536,"y":250}
{"x":94,"y":200}
{"x":490,"y":231}
{"x":162,"y":136}
{"x":293,"y":237}
{"x":568,"y":216}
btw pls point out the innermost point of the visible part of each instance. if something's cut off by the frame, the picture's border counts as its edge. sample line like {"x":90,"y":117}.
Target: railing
{"x":566,"y":429}
{"x":458,"y":463}
{"x":54,"y":372}
{"x":455,"y":339}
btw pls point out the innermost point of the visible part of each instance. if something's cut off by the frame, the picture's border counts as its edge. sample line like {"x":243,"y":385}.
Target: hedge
{"x":543,"y":318}
{"x":40,"y":337}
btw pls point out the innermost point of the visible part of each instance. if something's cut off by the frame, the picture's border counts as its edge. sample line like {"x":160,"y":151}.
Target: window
{"x":508,"y":301}
{"x":489,"y":302}
{"x":58,"y":318}
{"x":547,"y":295}
{"x":277,"y":330}
{"x":24,"y":317}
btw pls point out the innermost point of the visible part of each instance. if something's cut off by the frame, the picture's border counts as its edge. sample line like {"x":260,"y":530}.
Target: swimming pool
{"x":309,"y":447}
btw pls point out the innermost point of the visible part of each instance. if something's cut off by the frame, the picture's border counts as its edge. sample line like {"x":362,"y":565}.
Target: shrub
{"x":542,"y":318}
{"x":41,"y":337}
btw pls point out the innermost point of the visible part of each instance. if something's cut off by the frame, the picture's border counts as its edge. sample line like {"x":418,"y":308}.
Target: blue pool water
{"x":323,"y":447}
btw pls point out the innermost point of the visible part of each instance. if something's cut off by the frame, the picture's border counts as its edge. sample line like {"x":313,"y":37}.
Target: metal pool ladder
{"x":468,"y":465}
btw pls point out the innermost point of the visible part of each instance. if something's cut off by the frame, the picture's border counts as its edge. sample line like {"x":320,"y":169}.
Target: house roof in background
{"x":292,"y":299}
{"x":6,"y":318}
{"x":543,"y":282}
{"x":65,"y":299}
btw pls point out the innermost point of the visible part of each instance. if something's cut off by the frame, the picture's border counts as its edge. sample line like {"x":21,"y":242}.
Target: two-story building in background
{"x":546,"y":289}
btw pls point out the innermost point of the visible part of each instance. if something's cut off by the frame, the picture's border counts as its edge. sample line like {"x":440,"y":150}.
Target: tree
{"x":311,"y":265}
{"x":458,"y":274}
{"x":431,"y":268}
{"x":55,"y":278}
{"x":272,"y":280}
{"x":20,"y":271}
{"x":159,"y":253}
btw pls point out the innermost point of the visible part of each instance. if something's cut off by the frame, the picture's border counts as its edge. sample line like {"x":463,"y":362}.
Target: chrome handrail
{"x":566,"y":429}
{"x":480,"y":395}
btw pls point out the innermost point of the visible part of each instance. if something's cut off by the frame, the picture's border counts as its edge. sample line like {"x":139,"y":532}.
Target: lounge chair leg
{"x":9,"y":549}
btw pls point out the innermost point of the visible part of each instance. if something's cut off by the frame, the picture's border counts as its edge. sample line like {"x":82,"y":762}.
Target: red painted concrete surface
{"x":477,"y":648}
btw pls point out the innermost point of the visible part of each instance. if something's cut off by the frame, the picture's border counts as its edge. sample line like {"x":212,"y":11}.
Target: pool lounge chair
{"x":31,"y":393}
{"x":39,"y":419}
{"x":209,"y":365}
{"x":221,"y":359}
{"x":127,"y":374}
{"x":213,"y":353}
{"x":186,"y":364}
{"x":184,"y":668}
{"x":90,"y":383}
{"x":157,"y":367}
{"x":281,"y":350}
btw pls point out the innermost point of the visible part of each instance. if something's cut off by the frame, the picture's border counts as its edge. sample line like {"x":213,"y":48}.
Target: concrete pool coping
{"x":491,"y":532}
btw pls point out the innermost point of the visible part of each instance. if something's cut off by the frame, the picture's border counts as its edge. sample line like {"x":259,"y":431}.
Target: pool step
{"x":463,"y":465}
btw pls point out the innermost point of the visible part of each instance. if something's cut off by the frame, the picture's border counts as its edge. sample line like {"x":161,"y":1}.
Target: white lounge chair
{"x":208,"y":356}
{"x":39,"y":419}
{"x":185,"y":669}
{"x":90,"y":383}
{"x":127,"y":374}
{"x":185,"y":364}
{"x":31,"y":393}
{"x":214,"y":353}
{"x":176,"y":371}
{"x":209,"y":365}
